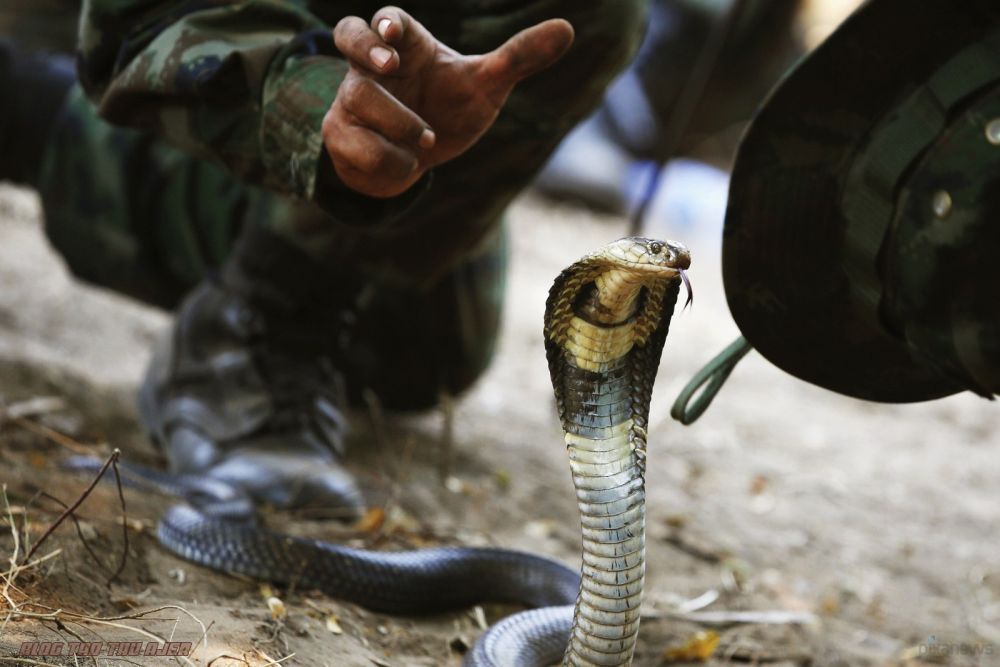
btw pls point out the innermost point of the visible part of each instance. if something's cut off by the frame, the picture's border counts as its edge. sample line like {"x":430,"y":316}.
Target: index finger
{"x":393,"y":25}
{"x":363,"y":46}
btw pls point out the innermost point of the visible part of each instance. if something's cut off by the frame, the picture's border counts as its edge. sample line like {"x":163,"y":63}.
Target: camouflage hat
{"x":862,"y":241}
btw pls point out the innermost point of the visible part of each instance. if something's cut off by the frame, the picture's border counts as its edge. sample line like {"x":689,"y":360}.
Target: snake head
{"x":647,"y":256}
{"x":650,"y":258}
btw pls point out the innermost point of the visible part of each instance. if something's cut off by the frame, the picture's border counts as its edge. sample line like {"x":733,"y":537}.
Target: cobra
{"x":606,"y":320}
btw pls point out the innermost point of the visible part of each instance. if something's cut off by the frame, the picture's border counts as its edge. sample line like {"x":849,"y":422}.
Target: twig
{"x":121,"y":499}
{"x":683,"y":111}
{"x":111,"y":621}
{"x":779,"y":617}
{"x":204,"y":633}
{"x":446,"y":448}
{"x":135,"y":616}
{"x":26,"y":661}
{"x":377,"y":415}
{"x":395,"y":490}
{"x":62,"y":627}
{"x":79,"y":501}
{"x":17,"y":540}
{"x":79,"y":529}
{"x":8,"y":579}
{"x":755,"y":656}
{"x":10,"y":575}
{"x":676,"y":540}
{"x":228,"y":657}
{"x":271,"y":661}
{"x":974,"y":617}
{"x":53,"y":435}
{"x":32,"y":407}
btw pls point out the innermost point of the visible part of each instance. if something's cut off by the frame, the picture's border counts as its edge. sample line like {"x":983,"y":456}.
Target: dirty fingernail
{"x":427,"y":139}
{"x":380,"y":56}
{"x":383,"y":27}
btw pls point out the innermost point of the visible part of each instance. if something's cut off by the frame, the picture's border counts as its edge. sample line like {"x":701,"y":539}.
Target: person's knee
{"x":409,"y":347}
{"x":618,"y":28}
{"x":425,"y":381}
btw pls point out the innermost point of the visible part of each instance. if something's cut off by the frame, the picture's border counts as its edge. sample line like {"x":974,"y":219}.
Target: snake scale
{"x":606,"y":320}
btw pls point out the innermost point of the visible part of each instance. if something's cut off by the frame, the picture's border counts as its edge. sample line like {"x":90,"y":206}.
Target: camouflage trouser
{"x":131,"y":213}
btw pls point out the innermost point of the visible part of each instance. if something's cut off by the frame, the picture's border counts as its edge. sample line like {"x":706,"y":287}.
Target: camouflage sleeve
{"x":244,"y":82}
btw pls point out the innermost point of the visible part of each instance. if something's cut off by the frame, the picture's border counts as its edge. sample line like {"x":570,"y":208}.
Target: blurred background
{"x":790,"y":526}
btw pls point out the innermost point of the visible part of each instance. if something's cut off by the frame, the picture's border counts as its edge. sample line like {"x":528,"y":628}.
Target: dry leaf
{"x":502,"y":478}
{"x":759,"y":485}
{"x":540,"y":529}
{"x":699,"y":647}
{"x":277,"y":608}
{"x":333,"y":624}
{"x":373,"y":519}
{"x":479,"y":616}
{"x":136,"y":525}
{"x":37,"y":460}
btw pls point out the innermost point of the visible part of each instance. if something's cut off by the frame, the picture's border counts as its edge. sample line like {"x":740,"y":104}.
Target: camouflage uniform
{"x":238,"y":89}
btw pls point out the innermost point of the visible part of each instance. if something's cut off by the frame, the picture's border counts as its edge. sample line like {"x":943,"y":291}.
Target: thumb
{"x":529,"y":51}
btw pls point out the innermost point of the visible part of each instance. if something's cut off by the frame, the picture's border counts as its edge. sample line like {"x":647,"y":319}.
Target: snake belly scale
{"x":606,"y":321}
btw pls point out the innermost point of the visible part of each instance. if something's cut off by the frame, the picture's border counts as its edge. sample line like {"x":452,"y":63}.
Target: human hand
{"x":409,"y":102}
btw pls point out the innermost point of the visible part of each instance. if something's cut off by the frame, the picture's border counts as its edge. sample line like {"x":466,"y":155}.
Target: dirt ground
{"x":849,"y":533}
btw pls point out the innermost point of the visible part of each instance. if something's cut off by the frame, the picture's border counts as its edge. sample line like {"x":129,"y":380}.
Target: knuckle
{"x":348,"y":89}
{"x":416,"y":130}
{"x":373,"y":159}
{"x":354,"y":90}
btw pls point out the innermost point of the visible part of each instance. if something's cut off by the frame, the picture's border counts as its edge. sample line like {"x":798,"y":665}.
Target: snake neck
{"x":614,"y":299}
{"x":607,"y":458}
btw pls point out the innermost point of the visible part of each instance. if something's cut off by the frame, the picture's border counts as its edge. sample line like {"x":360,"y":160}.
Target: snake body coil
{"x":606,"y":321}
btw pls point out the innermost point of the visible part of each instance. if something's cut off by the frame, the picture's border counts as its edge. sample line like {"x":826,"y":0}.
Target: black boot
{"x":33,"y":87}
{"x":243,"y":389}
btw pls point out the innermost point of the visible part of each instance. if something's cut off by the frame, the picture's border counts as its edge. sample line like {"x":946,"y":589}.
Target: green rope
{"x":714,"y":374}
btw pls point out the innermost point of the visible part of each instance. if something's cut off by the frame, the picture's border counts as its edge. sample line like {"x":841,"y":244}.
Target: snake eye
{"x":655,"y":247}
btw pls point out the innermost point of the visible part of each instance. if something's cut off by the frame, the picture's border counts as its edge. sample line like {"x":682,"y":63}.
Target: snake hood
{"x":605,"y":287}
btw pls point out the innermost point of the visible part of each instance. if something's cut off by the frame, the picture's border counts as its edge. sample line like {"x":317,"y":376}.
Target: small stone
{"x":459,"y":645}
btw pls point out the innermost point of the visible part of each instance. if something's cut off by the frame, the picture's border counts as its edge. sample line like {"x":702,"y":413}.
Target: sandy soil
{"x":875,"y":527}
